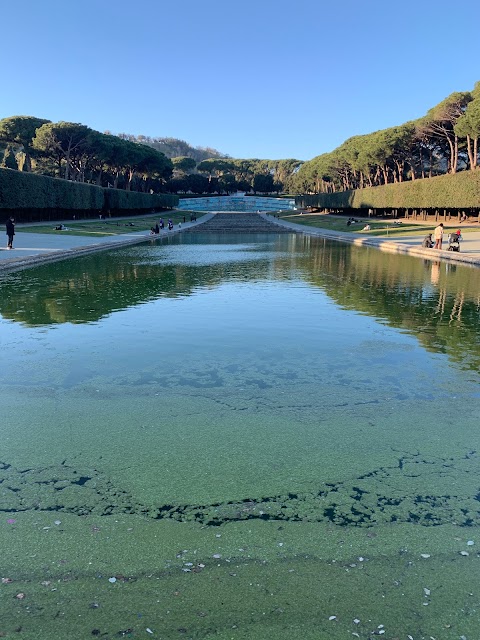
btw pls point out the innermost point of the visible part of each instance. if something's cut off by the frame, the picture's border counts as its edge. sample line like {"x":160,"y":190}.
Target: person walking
{"x":10,"y":224}
{"x":438,"y":233}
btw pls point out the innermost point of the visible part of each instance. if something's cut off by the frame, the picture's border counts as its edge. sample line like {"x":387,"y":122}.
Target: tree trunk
{"x":453,"y":165}
{"x":130,"y":173}
{"x":470,"y":153}
{"x":27,"y":164}
{"x":400,"y":170}
{"x":67,"y":166}
{"x":455,"y":155}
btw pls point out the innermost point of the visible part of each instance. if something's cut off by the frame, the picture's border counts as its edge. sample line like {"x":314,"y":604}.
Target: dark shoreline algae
{"x":361,"y":501}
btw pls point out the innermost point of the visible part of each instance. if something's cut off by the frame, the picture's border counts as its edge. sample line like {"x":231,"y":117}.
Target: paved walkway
{"x":36,"y":248}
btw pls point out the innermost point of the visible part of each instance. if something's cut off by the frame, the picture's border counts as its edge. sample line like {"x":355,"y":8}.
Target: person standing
{"x":438,"y":233}
{"x":10,"y":224}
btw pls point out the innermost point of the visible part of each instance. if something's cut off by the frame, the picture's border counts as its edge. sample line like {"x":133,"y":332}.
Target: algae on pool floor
{"x":258,"y":438}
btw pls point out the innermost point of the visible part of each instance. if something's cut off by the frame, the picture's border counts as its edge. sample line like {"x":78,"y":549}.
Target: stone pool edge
{"x":18,"y":264}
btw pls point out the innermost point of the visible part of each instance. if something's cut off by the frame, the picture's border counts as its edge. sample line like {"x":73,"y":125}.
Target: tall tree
{"x":468,"y":126}
{"x":440,"y":122}
{"x":263,"y":183}
{"x":153,"y":166}
{"x":183,"y":165}
{"x":9,"y":161}
{"x":65,"y":140}
{"x":215,"y":167}
{"x":21,"y":130}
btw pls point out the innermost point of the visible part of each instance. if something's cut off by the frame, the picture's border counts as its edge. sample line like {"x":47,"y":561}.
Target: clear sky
{"x":257,"y":78}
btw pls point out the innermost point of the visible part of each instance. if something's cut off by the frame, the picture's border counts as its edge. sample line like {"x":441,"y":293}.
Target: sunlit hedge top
{"x":461,"y":190}
{"x":19,"y":190}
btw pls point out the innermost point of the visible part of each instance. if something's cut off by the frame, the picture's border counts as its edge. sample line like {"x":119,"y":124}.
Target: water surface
{"x":256,"y":436}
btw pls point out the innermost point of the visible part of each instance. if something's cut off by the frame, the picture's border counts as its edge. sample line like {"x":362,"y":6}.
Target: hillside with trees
{"x":174,"y":148}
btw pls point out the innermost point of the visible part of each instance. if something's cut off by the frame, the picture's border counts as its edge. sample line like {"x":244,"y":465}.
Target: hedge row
{"x":22,"y":192}
{"x":458,"y":191}
{"x":117,"y":200}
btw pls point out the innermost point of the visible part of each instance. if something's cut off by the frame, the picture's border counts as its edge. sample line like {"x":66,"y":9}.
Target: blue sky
{"x":257,"y":78}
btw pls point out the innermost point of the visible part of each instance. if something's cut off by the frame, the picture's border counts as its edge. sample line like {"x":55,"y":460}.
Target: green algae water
{"x":240,"y":437}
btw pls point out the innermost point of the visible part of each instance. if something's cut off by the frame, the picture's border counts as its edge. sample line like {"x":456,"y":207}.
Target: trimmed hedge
{"x":119,"y":200}
{"x":34,"y":194}
{"x":458,"y":191}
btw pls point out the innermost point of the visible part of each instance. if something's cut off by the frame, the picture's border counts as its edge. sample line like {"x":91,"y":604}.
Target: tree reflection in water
{"x":437,"y":302}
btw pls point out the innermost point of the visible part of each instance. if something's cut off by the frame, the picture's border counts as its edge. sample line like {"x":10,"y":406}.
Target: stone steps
{"x":238,"y":223}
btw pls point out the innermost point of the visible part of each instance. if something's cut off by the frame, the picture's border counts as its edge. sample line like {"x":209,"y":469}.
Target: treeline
{"x":134,"y":163}
{"x":77,"y":153}
{"x":227,"y":175}
{"x":444,"y":141}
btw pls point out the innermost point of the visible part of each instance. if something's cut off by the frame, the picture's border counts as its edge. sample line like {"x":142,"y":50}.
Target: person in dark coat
{"x":427,"y":241}
{"x":10,"y":231}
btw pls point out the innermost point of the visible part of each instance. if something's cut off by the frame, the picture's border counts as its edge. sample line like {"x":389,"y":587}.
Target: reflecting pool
{"x":268,"y":436}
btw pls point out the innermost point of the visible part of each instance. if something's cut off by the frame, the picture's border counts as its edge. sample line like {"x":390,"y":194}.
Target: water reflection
{"x":437,"y":302}
{"x":255,"y":422}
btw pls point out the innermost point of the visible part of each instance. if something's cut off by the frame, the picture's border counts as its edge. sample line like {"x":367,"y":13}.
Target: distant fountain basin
{"x":237,"y":202}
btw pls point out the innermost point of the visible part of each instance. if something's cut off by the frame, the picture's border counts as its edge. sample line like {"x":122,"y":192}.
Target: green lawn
{"x":109,"y":227}
{"x":378,"y":227}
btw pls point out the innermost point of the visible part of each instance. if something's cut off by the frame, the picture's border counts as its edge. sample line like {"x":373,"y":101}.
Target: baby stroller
{"x":454,"y":242}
